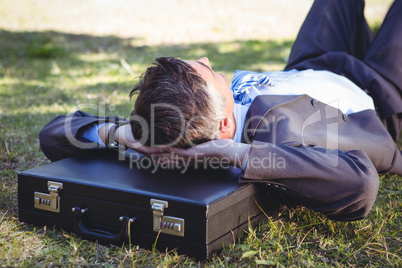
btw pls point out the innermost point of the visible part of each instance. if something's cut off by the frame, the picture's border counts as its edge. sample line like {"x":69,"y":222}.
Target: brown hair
{"x":175,"y":106}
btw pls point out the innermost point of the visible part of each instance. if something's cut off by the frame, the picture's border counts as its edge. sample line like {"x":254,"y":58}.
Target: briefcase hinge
{"x":50,"y":201}
{"x":165,"y":224}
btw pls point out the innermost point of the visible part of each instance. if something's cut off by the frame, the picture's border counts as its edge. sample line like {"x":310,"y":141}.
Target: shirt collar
{"x":239,"y":112}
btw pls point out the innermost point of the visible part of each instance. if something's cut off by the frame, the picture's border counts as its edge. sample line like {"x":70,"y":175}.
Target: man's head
{"x":181,"y":104}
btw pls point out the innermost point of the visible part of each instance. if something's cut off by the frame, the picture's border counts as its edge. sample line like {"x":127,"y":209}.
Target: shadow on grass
{"x":227,"y":56}
{"x":40,"y":69}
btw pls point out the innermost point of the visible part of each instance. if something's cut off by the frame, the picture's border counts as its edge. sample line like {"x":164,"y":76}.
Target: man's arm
{"x":66,"y":135}
{"x":341,"y":185}
{"x":63,"y":136}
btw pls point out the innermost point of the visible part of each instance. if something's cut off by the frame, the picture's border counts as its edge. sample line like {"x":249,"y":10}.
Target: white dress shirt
{"x":332,"y":89}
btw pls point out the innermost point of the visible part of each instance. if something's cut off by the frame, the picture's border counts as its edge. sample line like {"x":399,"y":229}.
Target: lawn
{"x":49,"y":68}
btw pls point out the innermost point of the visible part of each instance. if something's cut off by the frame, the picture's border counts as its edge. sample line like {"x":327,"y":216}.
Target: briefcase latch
{"x":165,"y":224}
{"x":50,"y":201}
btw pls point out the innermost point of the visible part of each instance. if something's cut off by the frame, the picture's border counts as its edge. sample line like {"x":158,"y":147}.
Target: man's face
{"x":219,"y":81}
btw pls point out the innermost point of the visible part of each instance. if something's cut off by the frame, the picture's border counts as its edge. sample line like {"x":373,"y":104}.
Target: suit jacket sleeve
{"x":342,"y":185}
{"x":61,"y":138}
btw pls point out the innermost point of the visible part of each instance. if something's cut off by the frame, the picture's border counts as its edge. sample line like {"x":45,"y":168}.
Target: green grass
{"x":44,"y":74}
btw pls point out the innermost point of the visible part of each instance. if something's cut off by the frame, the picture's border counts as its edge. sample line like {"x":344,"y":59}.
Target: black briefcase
{"x":195,"y":212}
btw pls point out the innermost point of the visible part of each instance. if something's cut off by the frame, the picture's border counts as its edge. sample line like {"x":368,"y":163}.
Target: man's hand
{"x":124,"y":136}
{"x":222,"y":151}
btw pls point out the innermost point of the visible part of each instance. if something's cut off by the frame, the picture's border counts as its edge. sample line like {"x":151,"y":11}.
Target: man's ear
{"x":225,"y":126}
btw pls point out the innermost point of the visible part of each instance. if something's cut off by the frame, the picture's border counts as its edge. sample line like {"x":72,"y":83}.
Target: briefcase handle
{"x":101,"y":235}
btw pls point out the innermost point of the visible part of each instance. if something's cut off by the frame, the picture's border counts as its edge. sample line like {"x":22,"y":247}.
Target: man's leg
{"x":332,"y":26}
{"x":385,"y":52}
{"x":385,"y":57}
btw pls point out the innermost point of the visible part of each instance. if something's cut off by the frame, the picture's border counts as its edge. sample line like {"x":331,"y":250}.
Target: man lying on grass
{"x":316,"y":132}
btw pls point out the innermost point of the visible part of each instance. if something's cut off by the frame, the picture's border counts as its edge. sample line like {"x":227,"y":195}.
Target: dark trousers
{"x":335,"y":37}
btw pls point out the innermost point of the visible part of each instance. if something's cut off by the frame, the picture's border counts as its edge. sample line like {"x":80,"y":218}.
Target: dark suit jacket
{"x":307,"y":151}
{"x":316,"y":156}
